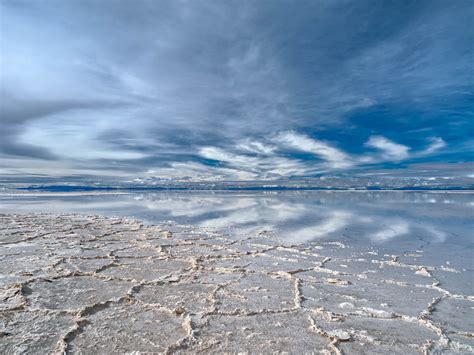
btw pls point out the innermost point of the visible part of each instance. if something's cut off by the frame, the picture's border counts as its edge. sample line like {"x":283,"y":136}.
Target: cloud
{"x":71,"y":134}
{"x":335,"y":158}
{"x":437,"y":143}
{"x":390,"y":150}
{"x":16,"y":115}
{"x":396,"y":152}
{"x":199,"y":172}
{"x":264,"y":166}
{"x":273,"y":158}
{"x":229,"y":158}
{"x":256,"y":147}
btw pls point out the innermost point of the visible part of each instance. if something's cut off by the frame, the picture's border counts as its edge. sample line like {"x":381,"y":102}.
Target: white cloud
{"x":437,"y":143}
{"x":256,"y":147}
{"x":390,"y":150}
{"x":336,"y":159}
{"x":200,"y":172}
{"x":71,"y":135}
{"x":266,"y":167}
{"x":230,"y":158}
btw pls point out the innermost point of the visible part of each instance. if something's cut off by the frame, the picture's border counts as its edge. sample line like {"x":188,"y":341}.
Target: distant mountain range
{"x":370,"y":183}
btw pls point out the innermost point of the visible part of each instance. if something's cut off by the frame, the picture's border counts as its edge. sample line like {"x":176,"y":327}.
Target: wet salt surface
{"x":436,"y":227}
{"x":378,"y":218}
{"x":260,"y":282}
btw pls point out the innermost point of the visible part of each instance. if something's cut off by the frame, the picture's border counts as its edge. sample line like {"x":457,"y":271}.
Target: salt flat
{"x":92,"y":284}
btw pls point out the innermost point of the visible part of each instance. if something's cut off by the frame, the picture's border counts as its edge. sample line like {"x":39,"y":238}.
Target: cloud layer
{"x":233,"y":90}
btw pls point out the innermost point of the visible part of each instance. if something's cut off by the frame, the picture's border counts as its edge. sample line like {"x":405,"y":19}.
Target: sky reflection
{"x":374,"y":218}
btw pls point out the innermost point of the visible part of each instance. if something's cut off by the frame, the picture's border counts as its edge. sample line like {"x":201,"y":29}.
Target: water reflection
{"x":363,"y":217}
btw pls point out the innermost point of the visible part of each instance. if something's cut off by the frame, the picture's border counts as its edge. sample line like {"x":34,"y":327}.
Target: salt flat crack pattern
{"x":91,"y":284}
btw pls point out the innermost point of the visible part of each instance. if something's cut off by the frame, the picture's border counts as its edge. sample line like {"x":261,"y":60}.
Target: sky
{"x":234,"y":90}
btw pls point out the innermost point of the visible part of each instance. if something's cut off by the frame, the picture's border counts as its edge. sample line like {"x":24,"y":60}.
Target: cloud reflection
{"x":365,"y":217}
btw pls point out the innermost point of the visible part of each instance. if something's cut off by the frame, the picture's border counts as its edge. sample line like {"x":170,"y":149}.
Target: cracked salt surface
{"x":91,"y":284}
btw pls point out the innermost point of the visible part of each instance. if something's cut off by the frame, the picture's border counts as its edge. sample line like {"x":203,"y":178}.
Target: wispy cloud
{"x":264,"y":166}
{"x":335,"y":158}
{"x":390,"y":150}
{"x":437,"y":143}
{"x":200,"y":172}
{"x":272,"y":158}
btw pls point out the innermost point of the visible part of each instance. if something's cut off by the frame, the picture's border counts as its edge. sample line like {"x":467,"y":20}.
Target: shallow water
{"x":380,"y":218}
{"x":441,"y":223}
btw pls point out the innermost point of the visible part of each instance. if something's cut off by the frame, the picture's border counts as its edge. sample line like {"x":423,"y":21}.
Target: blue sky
{"x":234,"y":90}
